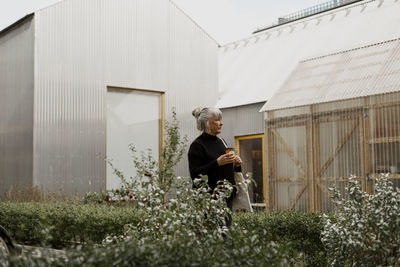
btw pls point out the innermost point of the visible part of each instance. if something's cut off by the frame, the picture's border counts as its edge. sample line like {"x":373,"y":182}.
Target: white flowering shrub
{"x":193,"y":213}
{"x":365,"y":230}
{"x":189,"y":230}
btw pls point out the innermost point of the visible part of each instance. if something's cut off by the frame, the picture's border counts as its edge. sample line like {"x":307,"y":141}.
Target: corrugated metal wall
{"x":83,"y":46}
{"x":310,"y":153}
{"x":16,"y":105}
{"x":242,"y":120}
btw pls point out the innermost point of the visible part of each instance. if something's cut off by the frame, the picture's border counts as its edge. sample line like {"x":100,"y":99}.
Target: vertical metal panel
{"x":16,"y":105}
{"x":84,"y":46}
{"x":242,"y":120}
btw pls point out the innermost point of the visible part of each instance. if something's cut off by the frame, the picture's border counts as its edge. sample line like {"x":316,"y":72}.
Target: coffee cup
{"x":229,"y":150}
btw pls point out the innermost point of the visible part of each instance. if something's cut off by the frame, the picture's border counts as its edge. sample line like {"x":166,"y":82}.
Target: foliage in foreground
{"x":366,"y":230}
{"x":186,"y":230}
{"x":190,"y":230}
{"x":176,"y":253}
{"x":60,"y":224}
{"x":301,"y":232}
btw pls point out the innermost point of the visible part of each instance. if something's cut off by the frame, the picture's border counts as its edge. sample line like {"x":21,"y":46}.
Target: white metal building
{"x":82,"y":79}
{"x":251,"y":70}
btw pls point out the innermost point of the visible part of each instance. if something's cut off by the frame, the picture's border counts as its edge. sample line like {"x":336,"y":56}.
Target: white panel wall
{"x":83,"y":46}
{"x":16,"y":105}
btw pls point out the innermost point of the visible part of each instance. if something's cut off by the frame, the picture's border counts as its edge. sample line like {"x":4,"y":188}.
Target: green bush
{"x":292,"y":232}
{"x":60,"y":224}
{"x":366,"y":229}
{"x":177,"y":253}
{"x":187,"y":231}
{"x":300,"y":231}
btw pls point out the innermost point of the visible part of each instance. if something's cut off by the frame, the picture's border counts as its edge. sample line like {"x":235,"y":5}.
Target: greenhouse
{"x":336,"y":116}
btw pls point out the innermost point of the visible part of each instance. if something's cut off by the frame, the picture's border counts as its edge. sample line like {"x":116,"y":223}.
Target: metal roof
{"x":365,"y":71}
{"x":308,"y":12}
{"x":15,"y":24}
{"x":252,"y":69}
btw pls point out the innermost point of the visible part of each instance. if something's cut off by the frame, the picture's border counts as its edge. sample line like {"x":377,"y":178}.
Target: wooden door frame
{"x":255,"y":136}
{"x":161,"y":120}
{"x":273,"y":138}
{"x":162,"y":111}
{"x":313,"y":170}
{"x":359,"y":121}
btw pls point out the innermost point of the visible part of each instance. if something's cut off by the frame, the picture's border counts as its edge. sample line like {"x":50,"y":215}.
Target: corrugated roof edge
{"x":27,"y":16}
{"x":15,"y":24}
{"x":265,"y":108}
{"x":286,"y":24}
{"x":300,"y":106}
{"x":201,"y":28}
{"x":314,"y":14}
{"x":241,"y":105}
{"x":348,"y":50}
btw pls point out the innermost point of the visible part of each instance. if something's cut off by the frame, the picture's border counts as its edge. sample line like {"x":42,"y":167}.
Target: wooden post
{"x":309,"y":170}
{"x":264,"y":171}
{"x":270,"y":186}
{"x":316,"y":165}
{"x":362,"y":151}
{"x":367,"y":147}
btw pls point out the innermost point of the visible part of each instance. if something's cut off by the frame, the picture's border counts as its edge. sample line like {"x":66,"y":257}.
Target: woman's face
{"x":214,"y":126}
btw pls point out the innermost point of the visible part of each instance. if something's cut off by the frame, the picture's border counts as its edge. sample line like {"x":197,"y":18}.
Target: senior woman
{"x":207,"y":152}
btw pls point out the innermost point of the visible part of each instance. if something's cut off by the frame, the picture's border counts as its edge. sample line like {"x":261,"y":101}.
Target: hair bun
{"x":196,"y":112}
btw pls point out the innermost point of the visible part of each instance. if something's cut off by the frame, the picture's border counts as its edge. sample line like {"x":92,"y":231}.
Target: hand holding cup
{"x":226,"y":158}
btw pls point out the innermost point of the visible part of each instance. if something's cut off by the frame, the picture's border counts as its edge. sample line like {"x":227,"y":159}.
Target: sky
{"x":225,"y":20}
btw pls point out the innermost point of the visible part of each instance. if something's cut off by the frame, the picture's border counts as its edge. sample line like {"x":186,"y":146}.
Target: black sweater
{"x":203,"y":154}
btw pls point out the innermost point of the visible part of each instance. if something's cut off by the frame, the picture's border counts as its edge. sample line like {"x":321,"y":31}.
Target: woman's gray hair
{"x":203,"y":116}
